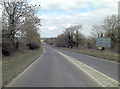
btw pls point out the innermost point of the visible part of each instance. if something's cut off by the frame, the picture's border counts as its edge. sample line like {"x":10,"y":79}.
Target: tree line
{"x":20,"y":26}
{"x":72,"y":36}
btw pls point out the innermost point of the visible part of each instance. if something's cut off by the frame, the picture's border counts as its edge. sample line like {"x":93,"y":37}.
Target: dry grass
{"x":106,"y":54}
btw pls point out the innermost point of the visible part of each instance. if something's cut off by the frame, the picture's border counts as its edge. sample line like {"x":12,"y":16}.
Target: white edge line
{"x":103,"y":59}
{"x":25,"y":70}
{"x":101,"y":73}
{"x":87,"y":73}
{"x":87,"y":66}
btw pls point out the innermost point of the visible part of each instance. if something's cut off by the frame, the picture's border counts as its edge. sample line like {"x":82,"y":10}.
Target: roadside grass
{"x":112,"y":56}
{"x":104,"y":55}
{"x":12,"y":66}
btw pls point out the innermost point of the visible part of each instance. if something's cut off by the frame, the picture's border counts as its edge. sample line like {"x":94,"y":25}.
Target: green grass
{"x":12,"y":66}
{"x":97,"y":53}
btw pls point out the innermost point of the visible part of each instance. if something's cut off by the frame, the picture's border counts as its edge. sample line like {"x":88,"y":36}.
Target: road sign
{"x":100,"y":48}
{"x":103,"y":42}
{"x":42,"y":40}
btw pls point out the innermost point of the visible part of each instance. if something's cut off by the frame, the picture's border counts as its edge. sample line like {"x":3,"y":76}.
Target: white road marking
{"x":102,"y":79}
{"x":97,"y":57}
{"x":21,"y":74}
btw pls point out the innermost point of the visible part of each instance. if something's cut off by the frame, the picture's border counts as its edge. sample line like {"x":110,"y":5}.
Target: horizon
{"x":58,"y":15}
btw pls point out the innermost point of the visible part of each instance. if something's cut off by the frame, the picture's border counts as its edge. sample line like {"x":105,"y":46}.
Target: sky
{"x":56,"y":15}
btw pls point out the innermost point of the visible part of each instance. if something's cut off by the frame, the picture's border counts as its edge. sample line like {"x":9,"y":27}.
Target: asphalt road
{"x":106,"y":67}
{"x":53,"y":70}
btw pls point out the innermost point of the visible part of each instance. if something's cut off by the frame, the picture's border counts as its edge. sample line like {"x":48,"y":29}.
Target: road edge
{"x":25,"y":70}
{"x":100,"y":78}
{"x":104,"y":59}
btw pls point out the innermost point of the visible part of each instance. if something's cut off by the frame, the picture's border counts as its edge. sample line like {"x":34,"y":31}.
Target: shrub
{"x":32,"y":46}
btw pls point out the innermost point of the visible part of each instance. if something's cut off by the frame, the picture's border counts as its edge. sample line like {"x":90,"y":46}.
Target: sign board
{"x":103,"y":42}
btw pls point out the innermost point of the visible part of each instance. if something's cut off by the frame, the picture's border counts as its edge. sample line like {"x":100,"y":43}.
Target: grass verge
{"x":12,"y":66}
{"x":96,"y":53}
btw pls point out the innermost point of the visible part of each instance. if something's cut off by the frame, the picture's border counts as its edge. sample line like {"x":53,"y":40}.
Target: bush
{"x":7,"y":49}
{"x":32,"y":46}
{"x":61,"y":41}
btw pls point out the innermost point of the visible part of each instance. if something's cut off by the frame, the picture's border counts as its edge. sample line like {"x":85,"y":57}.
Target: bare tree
{"x":77,"y":34}
{"x":14,"y":15}
{"x":111,"y":29}
{"x":97,"y":31}
{"x":72,"y":34}
{"x":110,"y":23}
{"x":69,"y":32}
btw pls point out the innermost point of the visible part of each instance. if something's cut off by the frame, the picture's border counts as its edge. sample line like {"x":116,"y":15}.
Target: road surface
{"x":106,"y":67}
{"x":53,"y":70}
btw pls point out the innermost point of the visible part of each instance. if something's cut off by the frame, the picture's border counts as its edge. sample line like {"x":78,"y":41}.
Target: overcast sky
{"x":57,"y":15}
